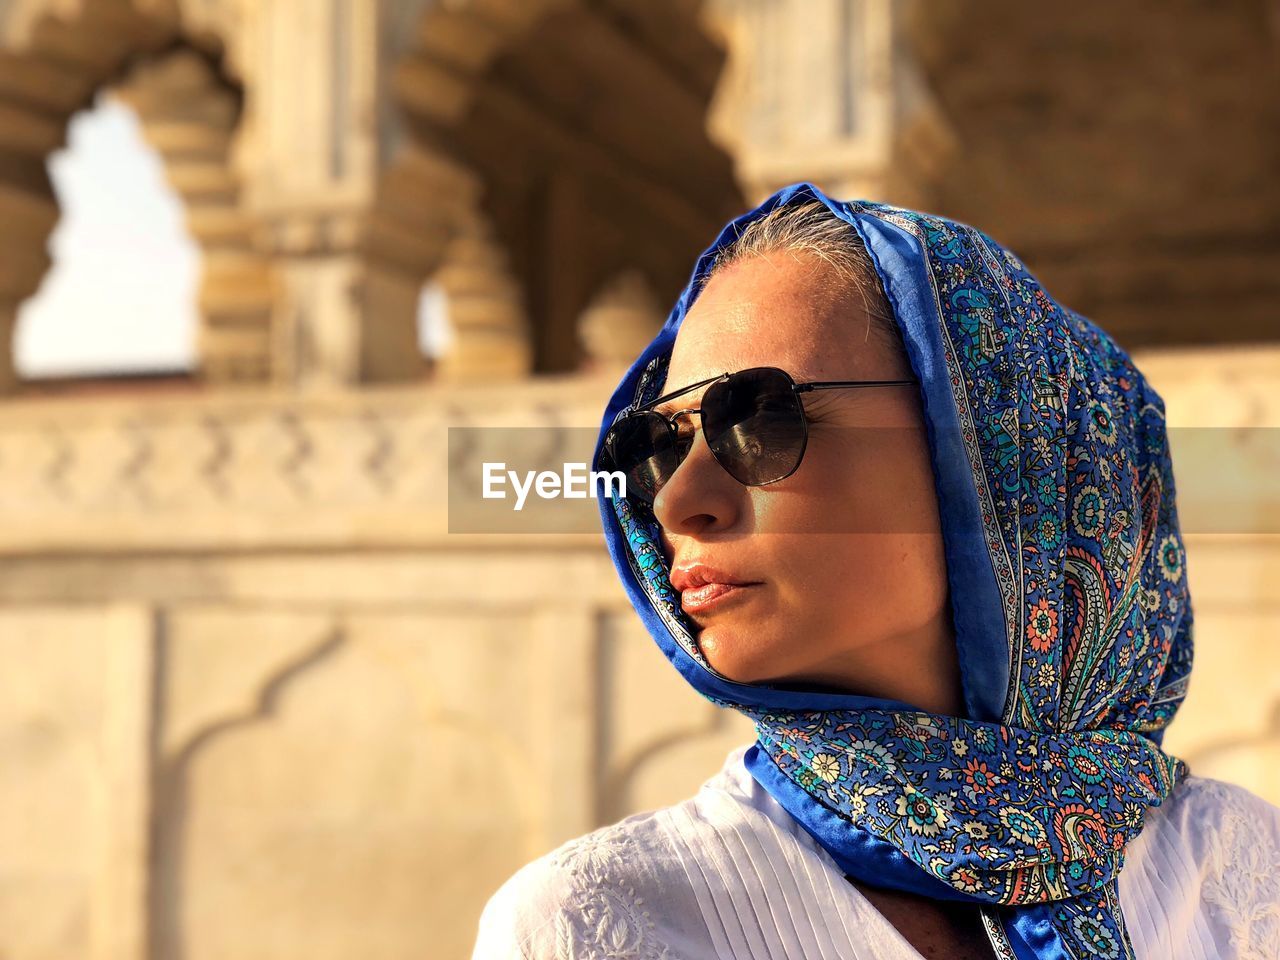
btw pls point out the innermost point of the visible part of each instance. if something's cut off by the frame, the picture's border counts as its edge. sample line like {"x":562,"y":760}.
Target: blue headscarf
{"x":1068,"y":597}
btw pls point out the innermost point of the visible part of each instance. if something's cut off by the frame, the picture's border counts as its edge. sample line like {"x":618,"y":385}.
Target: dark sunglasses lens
{"x":754,"y":424}
{"x":640,"y":445}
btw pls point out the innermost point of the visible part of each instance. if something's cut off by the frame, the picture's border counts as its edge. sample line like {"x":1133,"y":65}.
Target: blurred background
{"x":257,"y":255}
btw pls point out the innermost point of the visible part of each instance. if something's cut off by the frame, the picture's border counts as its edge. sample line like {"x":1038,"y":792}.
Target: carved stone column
{"x":851,"y":113}
{"x":490,"y":328}
{"x":424,"y":200}
{"x":191,"y":118}
{"x":310,"y":159}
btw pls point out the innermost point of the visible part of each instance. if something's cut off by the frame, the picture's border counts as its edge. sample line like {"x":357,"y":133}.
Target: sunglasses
{"x":753,"y":422}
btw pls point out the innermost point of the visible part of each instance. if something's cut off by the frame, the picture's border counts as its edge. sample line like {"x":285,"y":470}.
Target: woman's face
{"x":846,"y":552}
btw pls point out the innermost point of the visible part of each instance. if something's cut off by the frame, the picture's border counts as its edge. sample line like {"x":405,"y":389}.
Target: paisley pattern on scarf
{"x":1068,"y":465}
{"x":965,"y":801}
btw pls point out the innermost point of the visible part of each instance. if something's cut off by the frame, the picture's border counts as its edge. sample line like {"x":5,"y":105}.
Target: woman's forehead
{"x":773,"y":312}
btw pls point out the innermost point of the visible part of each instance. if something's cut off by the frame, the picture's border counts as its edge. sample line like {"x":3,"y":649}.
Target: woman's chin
{"x":731,"y":654}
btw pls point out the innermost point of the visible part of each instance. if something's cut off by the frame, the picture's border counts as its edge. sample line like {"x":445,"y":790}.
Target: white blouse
{"x":728,"y":873}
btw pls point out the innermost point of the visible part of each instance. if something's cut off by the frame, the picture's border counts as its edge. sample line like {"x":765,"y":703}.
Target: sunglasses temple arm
{"x":671,"y":396}
{"x":833,"y":384}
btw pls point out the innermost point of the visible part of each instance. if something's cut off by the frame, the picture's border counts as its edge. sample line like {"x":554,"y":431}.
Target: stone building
{"x":257,"y":700}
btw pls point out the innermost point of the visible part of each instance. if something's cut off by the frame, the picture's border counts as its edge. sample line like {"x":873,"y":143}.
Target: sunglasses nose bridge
{"x":690,"y":472}
{"x":673,"y":417}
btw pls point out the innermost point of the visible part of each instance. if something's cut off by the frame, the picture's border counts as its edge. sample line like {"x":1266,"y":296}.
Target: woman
{"x":915,"y":519}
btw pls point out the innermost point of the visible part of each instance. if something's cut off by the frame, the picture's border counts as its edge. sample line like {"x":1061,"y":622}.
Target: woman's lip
{"x":703,"y":598}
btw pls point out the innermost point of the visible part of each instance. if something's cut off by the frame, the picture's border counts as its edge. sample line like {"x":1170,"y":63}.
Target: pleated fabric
{"x":729,"y":874}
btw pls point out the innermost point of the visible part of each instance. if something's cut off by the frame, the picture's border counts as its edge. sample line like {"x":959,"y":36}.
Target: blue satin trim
{"x":1031,"y":933}
{"x":857,"y":852}
{"x":981,"y":643}
{"x":879,"y":863}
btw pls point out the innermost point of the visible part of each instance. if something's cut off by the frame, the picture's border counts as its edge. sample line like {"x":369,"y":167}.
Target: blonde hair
{"x":810,"y":227}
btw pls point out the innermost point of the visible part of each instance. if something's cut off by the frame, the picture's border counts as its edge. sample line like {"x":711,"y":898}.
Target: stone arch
{"x":344,"y":786}
{"x":571,"y":137}
{"x":56,"y":57}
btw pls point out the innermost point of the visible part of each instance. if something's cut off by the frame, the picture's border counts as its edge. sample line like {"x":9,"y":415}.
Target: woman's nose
{"x":700,"y":495}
